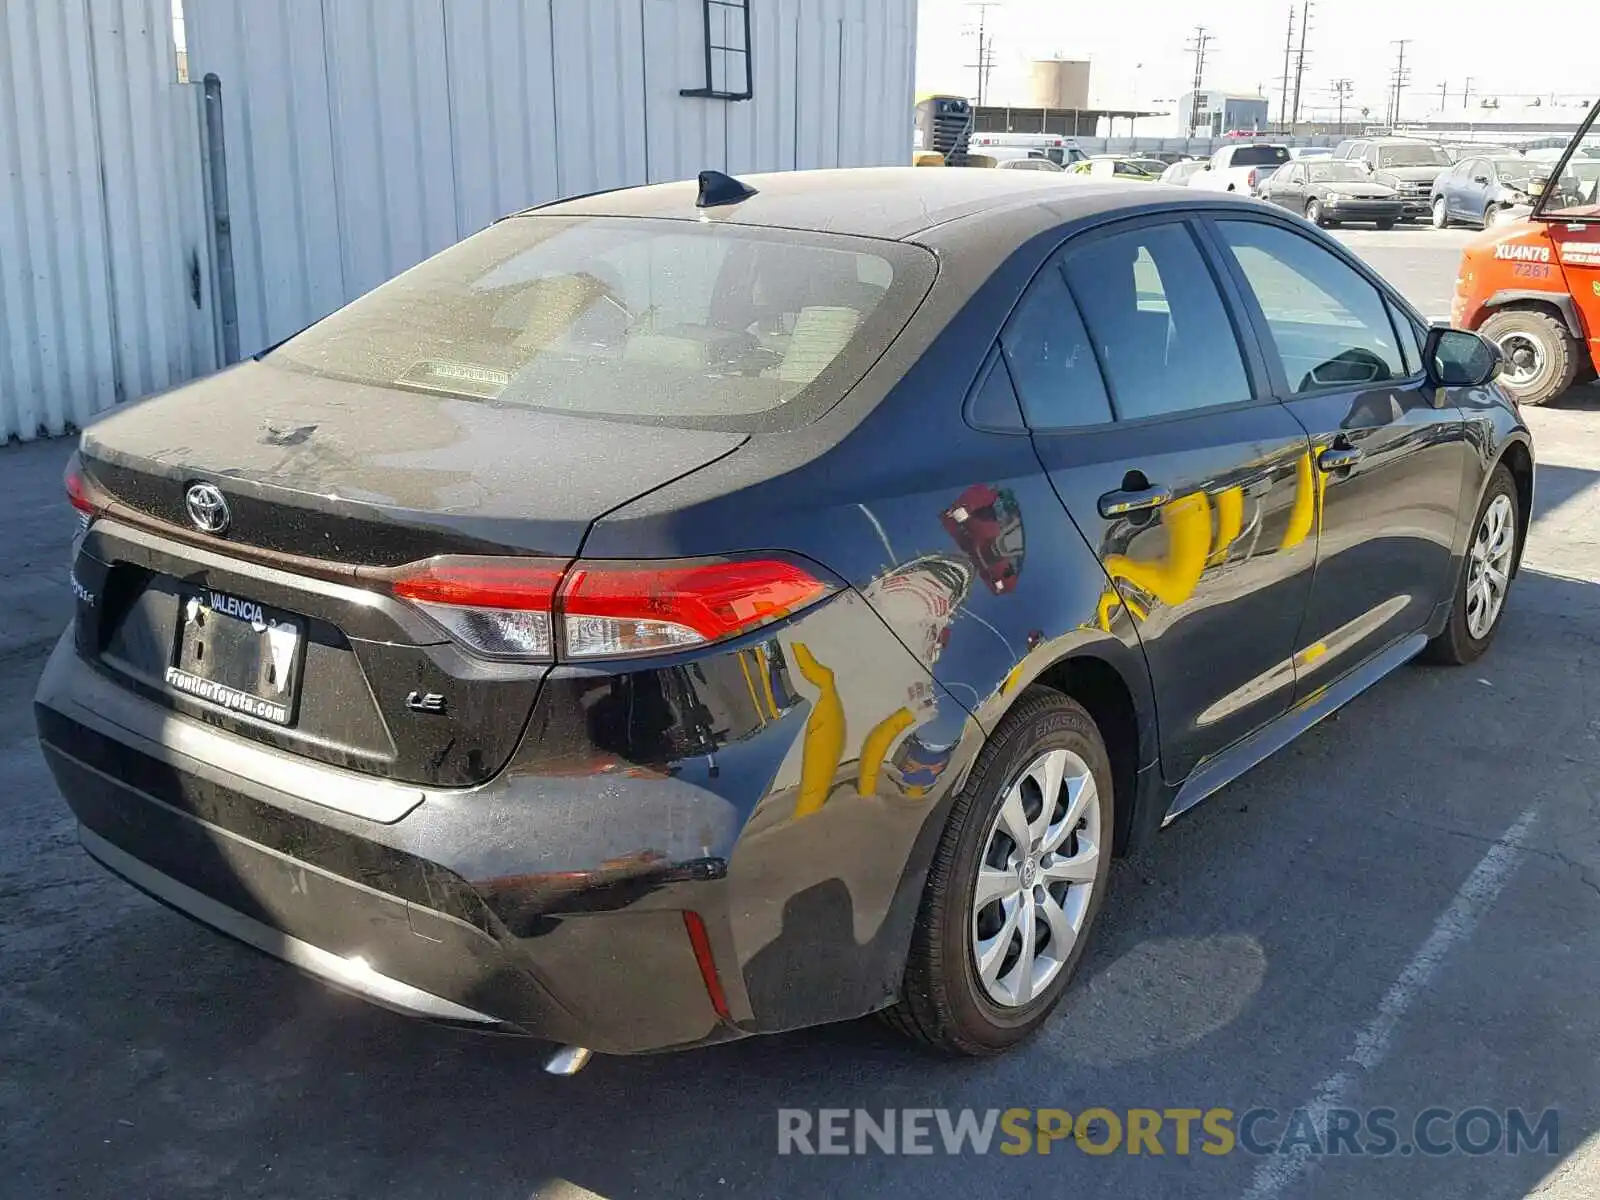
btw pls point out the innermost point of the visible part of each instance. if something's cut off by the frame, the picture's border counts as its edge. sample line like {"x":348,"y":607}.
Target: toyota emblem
{"x":208,"y":510}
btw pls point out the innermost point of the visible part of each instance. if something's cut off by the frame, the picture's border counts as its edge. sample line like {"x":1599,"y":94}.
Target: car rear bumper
{"x":681,"y":851}
{"x":377,"y":910}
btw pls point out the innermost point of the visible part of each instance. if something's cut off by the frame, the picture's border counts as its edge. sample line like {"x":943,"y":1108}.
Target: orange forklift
{"x":1533,"y":286}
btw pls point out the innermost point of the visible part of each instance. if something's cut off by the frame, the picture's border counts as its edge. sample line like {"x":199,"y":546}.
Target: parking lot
{"x":1401,"y":910}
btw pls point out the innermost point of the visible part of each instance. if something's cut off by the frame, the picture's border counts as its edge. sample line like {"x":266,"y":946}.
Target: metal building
{"x":1212,"y":114}
{"x":152,"y":229}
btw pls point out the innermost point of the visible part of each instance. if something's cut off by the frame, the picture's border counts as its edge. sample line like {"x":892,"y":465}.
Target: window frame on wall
{"x":734,"y":14}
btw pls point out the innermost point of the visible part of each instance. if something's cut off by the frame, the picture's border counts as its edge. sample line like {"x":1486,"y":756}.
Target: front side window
{"x":1157,"y":322}
{"x":660,"y":321}
{"x":1329,"y":325}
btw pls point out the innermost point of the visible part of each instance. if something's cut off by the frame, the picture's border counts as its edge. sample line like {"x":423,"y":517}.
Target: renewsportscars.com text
{"x":1179,"y":1131}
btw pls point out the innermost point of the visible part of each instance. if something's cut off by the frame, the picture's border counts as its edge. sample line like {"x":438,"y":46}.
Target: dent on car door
{"x":1390,"y":452}
{"x":1196,"y":499}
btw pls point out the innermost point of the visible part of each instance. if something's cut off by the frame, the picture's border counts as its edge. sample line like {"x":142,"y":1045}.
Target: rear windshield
{"x":670,"y":322}
{"x":1258,"y":156}
{"x":1412,"y":156}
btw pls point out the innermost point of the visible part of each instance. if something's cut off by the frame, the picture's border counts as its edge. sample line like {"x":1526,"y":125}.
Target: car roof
{"x":898,"y":203}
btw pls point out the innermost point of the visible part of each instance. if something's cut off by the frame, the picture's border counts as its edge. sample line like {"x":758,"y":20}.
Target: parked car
{"x":1479,"y":190}
{"x":1298,"y":153}
{"x":1030,"y":164}
{"x":643,"y":631}
{"x":1183,"y":172}
{"x":1457,"y":151}
{"x":1410,"y":166}
{"x":1331,"y":193}
{"x":1112,"y":167}
{"x":1239,"y":168}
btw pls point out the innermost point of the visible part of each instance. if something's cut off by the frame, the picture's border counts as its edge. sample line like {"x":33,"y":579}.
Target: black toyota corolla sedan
{"x":692,"y":612}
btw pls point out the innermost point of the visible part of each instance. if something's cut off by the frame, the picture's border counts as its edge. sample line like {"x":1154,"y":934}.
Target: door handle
{"x":1121,"y":503}
{"x":1338,"y":458}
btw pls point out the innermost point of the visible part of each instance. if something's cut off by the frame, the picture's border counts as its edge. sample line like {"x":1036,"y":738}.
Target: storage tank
{"x":1058,"y":83}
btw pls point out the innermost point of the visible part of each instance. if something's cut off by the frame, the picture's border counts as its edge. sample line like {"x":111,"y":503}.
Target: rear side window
{"x":1157,"y":322}
{"x":657,"y":321}
{"x":1330,"y":325}
{"x":1051,"y":361}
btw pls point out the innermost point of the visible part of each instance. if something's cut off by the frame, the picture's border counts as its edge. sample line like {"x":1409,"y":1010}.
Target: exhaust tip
{"x":568,"y":1060}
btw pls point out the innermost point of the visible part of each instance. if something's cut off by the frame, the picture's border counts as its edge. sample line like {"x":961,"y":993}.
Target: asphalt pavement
{"x":1400,"y":911}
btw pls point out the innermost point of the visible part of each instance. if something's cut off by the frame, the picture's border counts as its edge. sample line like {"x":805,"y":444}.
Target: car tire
{"x":1552,"y":354}
{"x":1441,"y":214}
{"x":1467,"y":635}
{"x":946,"y":1001}
{"x":1491,"y":216}
{"x":1385,"y":225}
{"x":1314,"y":214}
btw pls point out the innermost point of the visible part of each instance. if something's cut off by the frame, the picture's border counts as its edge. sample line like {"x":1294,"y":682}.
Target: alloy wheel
{"x":1489,"y":566}
{"x":1036,"y":878}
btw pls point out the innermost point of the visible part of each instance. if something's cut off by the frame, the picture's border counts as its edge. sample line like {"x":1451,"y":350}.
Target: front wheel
{"x":1541,"y":355}
{"x":1315,"y":215}
{"x":1485,"y":580}
{"x":1441,"y":214}
{"x":1016,"y":883}
{"x":1385,"y":225}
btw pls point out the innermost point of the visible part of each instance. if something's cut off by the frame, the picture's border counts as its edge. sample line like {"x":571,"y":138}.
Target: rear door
{"x":1150,"y":412}
{"x":1390,"y":456}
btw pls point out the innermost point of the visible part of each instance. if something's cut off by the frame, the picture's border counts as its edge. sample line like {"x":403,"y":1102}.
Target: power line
{"x":1288,"y":51}
{"x":1398,"y":80}
{"x":985,"y":63}
{"x":1342,"y":88}
{"x":1300,"y":58}
{"x":1198,"y":45}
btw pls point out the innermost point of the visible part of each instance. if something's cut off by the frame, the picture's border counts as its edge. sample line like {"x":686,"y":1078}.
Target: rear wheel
{"x":1441,"y":214}
{"x":1541,"y":355}
{"x":1015,"y":886}
{"x":1485,"y":579}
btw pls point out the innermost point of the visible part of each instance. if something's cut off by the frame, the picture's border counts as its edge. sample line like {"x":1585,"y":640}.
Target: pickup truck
{"x":1240,"y":168}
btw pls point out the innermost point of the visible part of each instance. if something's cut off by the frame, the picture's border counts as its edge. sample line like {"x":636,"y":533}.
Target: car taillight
{"x":515,"y":608}
{"x":78,"y":494}
{"x":496,"y":606}
{"x":1254,"y":174}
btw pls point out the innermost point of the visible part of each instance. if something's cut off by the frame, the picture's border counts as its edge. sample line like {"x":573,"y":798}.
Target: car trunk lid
{"x":278,"y":627}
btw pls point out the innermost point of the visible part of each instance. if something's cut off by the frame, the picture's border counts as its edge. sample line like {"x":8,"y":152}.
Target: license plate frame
{"x":236,"y":654}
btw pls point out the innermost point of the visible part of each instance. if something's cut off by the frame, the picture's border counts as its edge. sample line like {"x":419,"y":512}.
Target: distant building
{"x":1216,"y":113}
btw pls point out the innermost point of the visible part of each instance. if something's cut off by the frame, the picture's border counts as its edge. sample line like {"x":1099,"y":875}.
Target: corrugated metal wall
{"x":101,"y":212}
{"x":364,"y":135}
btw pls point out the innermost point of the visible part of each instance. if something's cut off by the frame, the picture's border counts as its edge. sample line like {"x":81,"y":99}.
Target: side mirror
{"x":1457,"y":358}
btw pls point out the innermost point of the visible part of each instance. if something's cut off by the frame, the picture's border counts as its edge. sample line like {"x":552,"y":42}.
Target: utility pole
{"x":985,"y":61}
{"x":1466,"y":90}
{"x":1198,"y":45}
{"x":1400,"y":78}
{"x":1341,"y":90}
{"x":1288,"y":49}
{"x":1300,"y":58}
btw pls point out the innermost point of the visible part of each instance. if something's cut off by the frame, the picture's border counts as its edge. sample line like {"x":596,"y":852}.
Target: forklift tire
{"x":1541,"y":355}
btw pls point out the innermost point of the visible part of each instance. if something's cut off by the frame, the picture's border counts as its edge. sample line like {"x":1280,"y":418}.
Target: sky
{"x":1138,"y":56}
